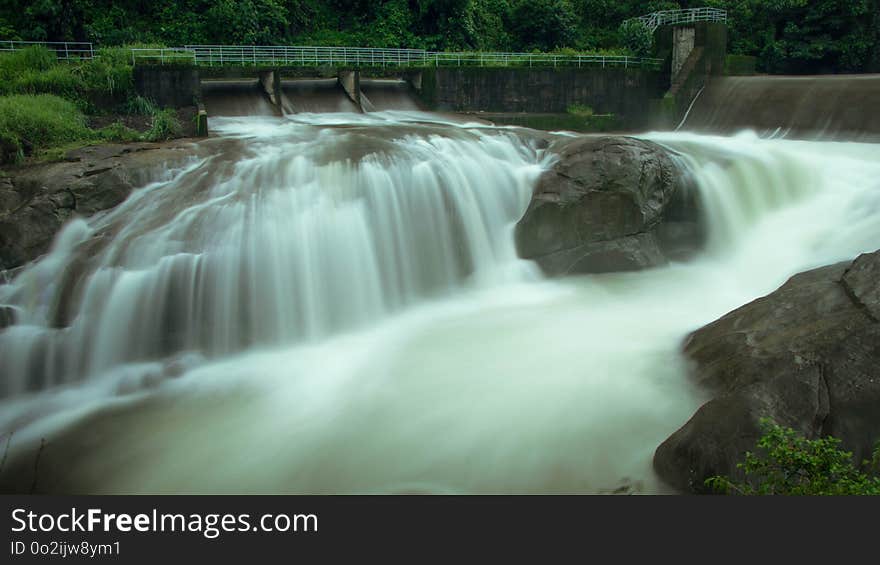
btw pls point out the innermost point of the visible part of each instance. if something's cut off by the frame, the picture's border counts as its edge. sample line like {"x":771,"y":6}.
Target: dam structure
{"x":639,"y":92}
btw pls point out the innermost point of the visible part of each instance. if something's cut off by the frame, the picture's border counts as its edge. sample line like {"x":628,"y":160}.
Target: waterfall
{"x":309,"y":233}
{"x":335,"y":305}
{"x":775,"y":206}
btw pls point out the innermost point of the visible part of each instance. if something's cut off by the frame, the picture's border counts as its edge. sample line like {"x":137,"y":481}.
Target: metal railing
{"x":688,"y":16}
{"x":219,"y":55}
{"x":64,"y":50}
{"x":163,"y":55}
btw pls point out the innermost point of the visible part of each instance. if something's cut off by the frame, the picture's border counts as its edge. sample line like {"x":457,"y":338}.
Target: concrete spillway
{"x":836,"y":107}
{"x":390,"y":95}
{"x":315,"y":96}
{"x":244,"y":97}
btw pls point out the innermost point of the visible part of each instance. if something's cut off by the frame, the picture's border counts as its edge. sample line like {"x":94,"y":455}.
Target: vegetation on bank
{"x":44,"y":104}
{"x":787,"y":36}
{"x":787,"y":463}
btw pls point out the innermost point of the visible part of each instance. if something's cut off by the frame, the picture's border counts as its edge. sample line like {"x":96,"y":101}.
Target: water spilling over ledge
{"x":335,"y":304}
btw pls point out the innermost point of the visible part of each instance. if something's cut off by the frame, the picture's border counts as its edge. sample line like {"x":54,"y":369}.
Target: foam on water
{"x":342,"y":310}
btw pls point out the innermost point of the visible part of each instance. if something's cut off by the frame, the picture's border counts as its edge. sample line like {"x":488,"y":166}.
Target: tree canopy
{"x":787,"y":36}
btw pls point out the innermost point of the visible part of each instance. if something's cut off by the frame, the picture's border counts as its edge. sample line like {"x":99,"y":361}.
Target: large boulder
{"x":807,"y":356}
{"x":36,"y":201}
{"x":608,"y":204}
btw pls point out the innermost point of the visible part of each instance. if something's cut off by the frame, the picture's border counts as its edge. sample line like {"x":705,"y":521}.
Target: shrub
{"x":636,"y":37}
{"x":580,"y":110}
{"x":117,"y":131}
{"x":35,"y":70}
{"x":58,"y":80}
{"x":164,"y":126}
{"x":788,"y":463}
{"x":106,"y":76}
{"x":35,"y":58}
{"x":139,"y":106}
{"x":31,"y":123}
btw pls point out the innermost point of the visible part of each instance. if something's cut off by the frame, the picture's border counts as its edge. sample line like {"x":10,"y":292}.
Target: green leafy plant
{"x":32,"y":123}
{"x":580,"y":110}
{"x":117,"y":131}
{"x":164,"y":126}
{"x":140,"y":106}
{"x":788,"y":463}
{"x":636,"y":37}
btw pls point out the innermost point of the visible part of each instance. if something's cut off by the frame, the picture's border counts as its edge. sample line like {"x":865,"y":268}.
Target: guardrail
{"x":687,"y":16}
{"x":64,"y":50}
{"x":255,"y":55}
{"x":163,"y":55}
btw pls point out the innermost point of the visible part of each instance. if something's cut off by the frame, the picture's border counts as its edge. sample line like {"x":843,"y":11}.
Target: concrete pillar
{"x":271,"y":83}
{"x":683,"y":41}
{"x":202,"y":121}
{"x":415,"y":80}
{"x":351,"y":84}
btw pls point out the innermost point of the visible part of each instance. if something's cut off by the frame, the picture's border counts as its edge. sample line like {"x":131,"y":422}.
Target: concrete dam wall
{"x":833,"y":107}
{"x":624,"y":92}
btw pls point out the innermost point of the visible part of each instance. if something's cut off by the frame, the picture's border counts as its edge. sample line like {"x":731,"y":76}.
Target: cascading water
{"x":343,"y":310}
{"x":300,"y":238}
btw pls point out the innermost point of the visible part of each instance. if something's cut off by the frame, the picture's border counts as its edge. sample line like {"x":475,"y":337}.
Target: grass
{"x":87,"y":83}
{"x":43,"y":103}
{"x":164,"y":126}
{"x":31,"y":123}
{"x":140,"y":106}
{"x":118,"y":131}
{"x":580,"y":110}
{"x":43,"y":127}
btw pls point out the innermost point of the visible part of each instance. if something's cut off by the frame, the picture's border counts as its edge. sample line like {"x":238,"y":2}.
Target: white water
{"x":343,"y":311}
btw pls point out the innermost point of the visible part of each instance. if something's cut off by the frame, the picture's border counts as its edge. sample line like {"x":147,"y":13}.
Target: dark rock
{"x":805,"y":356}
{"x":600,"y":207}
{"x":35,"y":201}
{"x":7,"y":316}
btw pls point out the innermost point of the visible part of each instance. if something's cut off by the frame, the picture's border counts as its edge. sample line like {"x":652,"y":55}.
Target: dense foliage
{"x":28,"y":123}
{"x":796,"y":36}
{"x":788,"y":463}
{"x":43,"y":102}
{"x":101,"y":81}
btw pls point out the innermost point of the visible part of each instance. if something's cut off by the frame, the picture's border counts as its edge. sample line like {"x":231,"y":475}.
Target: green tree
{"x":787,"y":463}
{"x":542,"y":24}
{"x":636,"y":37}
{"x":248,"y":22}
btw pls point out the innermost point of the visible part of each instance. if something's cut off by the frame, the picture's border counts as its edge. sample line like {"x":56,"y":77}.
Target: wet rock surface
{"x":609,"y":203}
{"x":804,"y":356}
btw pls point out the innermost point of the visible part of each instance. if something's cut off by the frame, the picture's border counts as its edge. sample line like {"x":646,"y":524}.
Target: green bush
{"x":104,"y":76}
{"x":636,"y":37}
{"x":790,"y":464}
{"x":117,"y":131}
{"x":139,"y":106}
{"x":580,"y":110}
{"x":35,"y":70}
{"x":36,"y":58}
{"x":164,"y":126}
{"x":58,"y":80}
{"x":32,"y":123}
